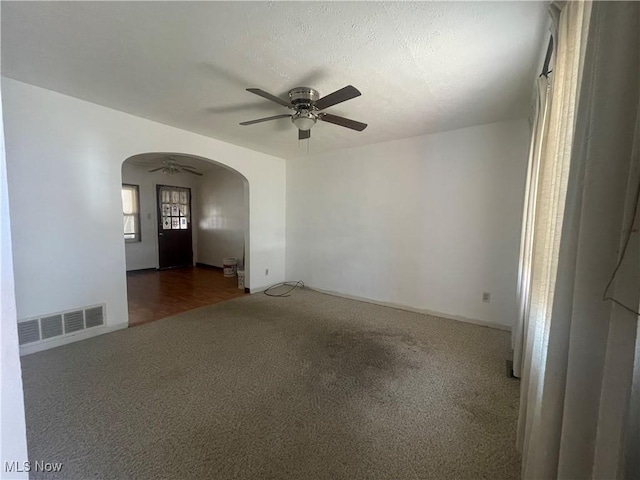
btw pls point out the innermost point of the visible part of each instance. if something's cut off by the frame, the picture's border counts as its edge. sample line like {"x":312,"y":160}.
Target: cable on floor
{"x":293,"y":285}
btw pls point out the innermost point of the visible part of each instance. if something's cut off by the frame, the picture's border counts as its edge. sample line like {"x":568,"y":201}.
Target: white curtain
{"x":577,"y":356}
{"x":540,"y":116}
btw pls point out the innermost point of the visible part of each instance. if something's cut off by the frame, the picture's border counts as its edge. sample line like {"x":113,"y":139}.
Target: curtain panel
{"x":578,"y":341}
{"x":540,"y":117}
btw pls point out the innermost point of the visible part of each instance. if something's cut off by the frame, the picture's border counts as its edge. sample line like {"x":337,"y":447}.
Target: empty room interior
{"x":320,"y":240}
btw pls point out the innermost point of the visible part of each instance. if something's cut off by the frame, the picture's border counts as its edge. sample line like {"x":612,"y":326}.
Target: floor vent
{"x":59,"y":324}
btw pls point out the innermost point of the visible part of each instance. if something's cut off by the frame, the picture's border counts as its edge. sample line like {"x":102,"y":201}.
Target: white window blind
{"x":131,"y":213}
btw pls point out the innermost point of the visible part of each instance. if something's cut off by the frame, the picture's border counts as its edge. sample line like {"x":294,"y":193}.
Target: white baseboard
{"x":74,"y":337}
{"x":475,"y":321}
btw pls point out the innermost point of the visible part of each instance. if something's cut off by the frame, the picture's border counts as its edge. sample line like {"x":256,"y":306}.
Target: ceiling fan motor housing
{"x":303,"y":97}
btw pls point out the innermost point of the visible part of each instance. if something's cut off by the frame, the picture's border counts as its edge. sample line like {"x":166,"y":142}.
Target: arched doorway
{"x":182,"y":215}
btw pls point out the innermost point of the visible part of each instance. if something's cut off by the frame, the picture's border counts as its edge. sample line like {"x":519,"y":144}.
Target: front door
{"x":174,"y":227}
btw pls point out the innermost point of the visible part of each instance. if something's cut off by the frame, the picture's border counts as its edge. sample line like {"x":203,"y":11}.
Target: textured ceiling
{"x":421,"y":67}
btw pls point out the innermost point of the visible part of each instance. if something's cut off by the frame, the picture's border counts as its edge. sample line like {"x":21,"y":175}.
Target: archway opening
{"x":184,"y":218}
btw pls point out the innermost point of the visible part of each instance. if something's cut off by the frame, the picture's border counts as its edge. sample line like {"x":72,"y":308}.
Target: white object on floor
{"x":241,"y":279}
{"x":229,"y":266}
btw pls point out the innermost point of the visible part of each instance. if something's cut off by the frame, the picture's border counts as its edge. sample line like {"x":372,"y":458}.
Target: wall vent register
{"x":60,"y":324}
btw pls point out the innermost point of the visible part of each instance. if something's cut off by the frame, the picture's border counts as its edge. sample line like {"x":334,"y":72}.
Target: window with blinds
{"x":131,"y":213}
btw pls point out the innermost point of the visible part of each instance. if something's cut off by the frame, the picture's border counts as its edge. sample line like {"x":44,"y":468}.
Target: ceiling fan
{"x":170,"y":166}
{"x":308,"y":105}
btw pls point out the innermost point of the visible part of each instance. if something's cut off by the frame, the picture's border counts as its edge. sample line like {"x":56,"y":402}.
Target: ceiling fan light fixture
{"x":168,"y":168}
{"x":304,"y":120}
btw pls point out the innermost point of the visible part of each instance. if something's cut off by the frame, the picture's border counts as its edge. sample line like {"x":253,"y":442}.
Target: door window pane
{"x":174,"y":209}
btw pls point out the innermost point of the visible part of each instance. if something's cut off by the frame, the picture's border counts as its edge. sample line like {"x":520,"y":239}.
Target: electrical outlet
{"x":266,"y":271}
{"x":486,"y":297}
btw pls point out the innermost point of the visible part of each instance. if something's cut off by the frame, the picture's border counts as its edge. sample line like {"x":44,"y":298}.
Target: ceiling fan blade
{"x":266,"y":119}
{"x":343,"y":122}
{"x":339,"y":96}
{"x":156,"y":169}
{"x":186,"y":166}
{"x":304,"y":134}
{"x":191,"y":171}
{"x":268,"y":96}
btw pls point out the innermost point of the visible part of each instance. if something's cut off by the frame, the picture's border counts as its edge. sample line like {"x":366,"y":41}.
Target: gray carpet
{"x":306,"y":387}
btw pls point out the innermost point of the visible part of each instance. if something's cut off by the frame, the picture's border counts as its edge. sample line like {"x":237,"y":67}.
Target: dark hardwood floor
{"x":157,"y":294}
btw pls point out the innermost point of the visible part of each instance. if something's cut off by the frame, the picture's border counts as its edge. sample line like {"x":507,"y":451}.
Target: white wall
{"x":13,"y":435}
{"x":428,"y":222}
{"x":223,"y":216}
{"x":64,"y":159}
{"x":144,"y":254}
